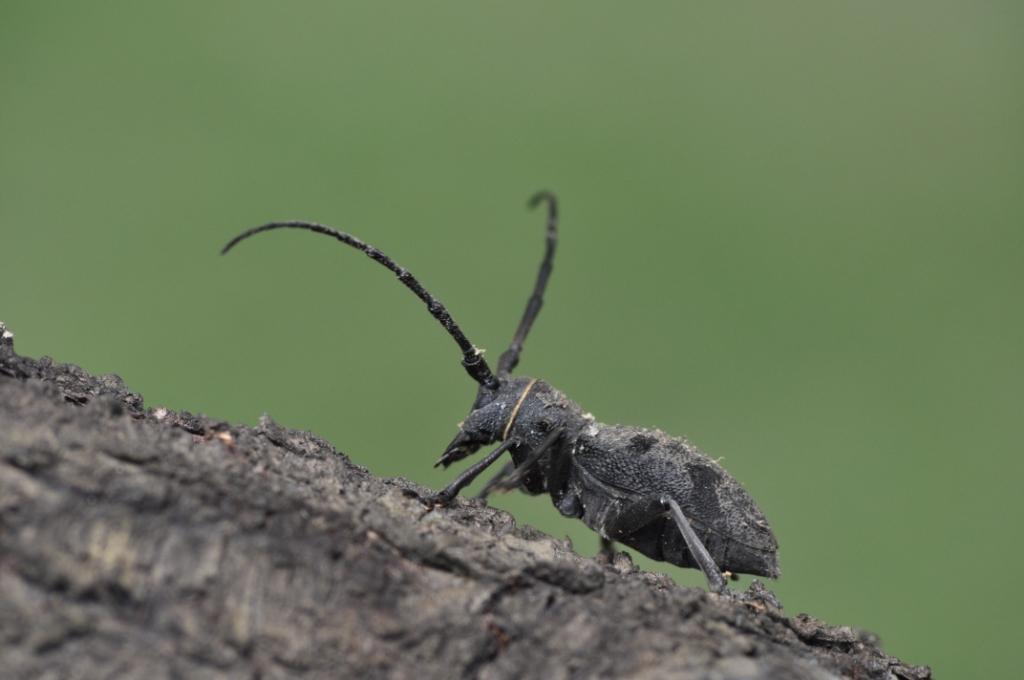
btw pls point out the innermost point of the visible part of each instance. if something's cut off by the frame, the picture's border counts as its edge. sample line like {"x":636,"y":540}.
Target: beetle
{"x":653,"y":492}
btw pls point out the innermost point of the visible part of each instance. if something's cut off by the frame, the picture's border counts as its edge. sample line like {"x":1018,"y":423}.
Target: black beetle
{"x":641,"y":487}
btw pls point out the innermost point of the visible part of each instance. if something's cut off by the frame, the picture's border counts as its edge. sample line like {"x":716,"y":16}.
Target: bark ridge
{"x":147,"y":543}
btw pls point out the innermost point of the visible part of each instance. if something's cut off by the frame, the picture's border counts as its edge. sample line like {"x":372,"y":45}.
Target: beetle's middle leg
{"x":511,"y":475}
{"x":607,"y":550}
{"x":493,"y":482}
{"x":639,"y":514}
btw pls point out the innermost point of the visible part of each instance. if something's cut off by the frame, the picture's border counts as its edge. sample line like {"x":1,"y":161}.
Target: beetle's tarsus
{"x":607,"y":551}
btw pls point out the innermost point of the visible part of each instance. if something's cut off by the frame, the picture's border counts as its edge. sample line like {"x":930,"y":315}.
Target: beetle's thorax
{"x":538,"y":409}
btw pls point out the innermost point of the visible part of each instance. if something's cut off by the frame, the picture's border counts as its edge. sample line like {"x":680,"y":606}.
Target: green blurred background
{"x":791,"y":231}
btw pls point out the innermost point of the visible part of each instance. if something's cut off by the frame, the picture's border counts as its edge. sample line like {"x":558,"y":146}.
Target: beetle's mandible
{"x":641,"y":487}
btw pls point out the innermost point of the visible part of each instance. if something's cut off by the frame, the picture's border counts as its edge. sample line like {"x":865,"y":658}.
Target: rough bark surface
{"x":151,"y":544}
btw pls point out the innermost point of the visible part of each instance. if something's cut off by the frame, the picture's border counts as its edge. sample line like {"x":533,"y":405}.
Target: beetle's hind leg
{"x":716,"y":581}
{"x":643,"y":511}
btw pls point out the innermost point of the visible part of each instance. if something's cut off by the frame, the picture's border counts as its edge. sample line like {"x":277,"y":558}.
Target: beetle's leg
{"x":716,"y":581}
{"x":446,"y":495}
{"x":608,"y":549}
{"x":504,"y":482}
{"x":642,"y":512}
{"x":493,"y":481}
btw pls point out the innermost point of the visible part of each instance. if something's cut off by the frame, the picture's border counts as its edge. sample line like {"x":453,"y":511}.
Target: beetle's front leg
{"x":445,"y":496}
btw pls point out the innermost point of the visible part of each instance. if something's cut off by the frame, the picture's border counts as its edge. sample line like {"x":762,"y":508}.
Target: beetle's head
{"x":489,"y":419}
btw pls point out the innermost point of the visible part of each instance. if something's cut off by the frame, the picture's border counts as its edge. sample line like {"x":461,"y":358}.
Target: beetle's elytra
{"x":641,"y":487}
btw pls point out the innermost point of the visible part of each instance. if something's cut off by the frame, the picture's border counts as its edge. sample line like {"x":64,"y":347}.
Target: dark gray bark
{"x":153,"y":544}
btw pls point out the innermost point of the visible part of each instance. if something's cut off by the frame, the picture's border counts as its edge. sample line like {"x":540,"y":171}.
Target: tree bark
{"x":144,"y":543}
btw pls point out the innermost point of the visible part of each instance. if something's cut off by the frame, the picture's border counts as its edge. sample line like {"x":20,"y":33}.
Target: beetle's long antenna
{"x":472,"y":358}
{"x":510,"y":357}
